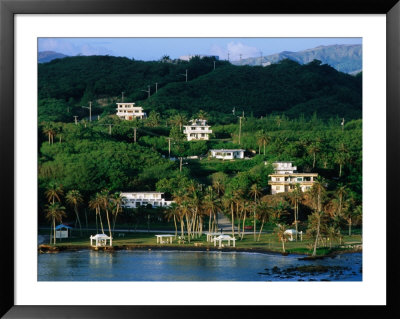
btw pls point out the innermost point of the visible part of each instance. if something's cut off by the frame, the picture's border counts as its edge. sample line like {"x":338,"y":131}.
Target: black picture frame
{"x":9,"y":8}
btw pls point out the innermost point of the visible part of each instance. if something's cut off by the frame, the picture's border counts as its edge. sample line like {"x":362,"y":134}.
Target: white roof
{"x":100,"y":236}
{"x":228,"y":150}
{"x":225,"y":237}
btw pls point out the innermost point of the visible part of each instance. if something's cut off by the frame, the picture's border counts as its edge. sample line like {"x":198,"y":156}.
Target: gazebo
{"x":100,"y":240}
{"x":292,"y":232}
{"x":63,"y":231}
{"x":220,"y":238}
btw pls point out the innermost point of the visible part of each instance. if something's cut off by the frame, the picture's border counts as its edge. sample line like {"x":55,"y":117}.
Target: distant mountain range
{"x":345,"y":58}
{"x":47,"y":56}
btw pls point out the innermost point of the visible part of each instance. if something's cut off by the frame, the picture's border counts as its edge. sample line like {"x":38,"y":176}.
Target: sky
{"x":148,"y":49}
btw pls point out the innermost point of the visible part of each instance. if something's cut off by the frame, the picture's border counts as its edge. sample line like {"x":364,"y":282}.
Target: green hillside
{"x":286,"y":87}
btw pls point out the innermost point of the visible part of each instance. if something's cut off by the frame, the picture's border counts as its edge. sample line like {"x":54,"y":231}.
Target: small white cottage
{"x":227,"y":154}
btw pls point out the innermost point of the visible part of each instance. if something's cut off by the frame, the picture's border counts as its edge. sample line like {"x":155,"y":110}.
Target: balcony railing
{"x":290,"y":182}
{"x":197,"y":131}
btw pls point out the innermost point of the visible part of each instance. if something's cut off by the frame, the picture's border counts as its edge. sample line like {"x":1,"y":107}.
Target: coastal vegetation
{"x":291,"y":113}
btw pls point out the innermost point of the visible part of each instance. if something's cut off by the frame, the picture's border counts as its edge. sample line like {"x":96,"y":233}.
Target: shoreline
{"x":56,"y":249}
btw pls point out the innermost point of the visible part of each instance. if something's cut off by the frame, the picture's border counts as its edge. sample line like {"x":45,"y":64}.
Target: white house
{"x":227,"y":154}
{"x":197,"y":130}
{"x":127,"y":111}
{"x":284,"y":167}
{"x":287,"y":182}
{"x":136,"y":199}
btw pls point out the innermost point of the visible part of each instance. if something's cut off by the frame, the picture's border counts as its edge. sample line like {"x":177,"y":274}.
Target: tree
{"x":95,"y":204}
{"x":116,"y":202}
{"x":255,"y":191}
{"x":295,"y":197}
{"x":49,"y":130}
{"x":74,"y":198}
{"x":317,"y":192}
{"x":154,"y":119}
{"x":55,"y":212}
{"x":313,"y":149}
{"x":54,"y":191}
{"x":178,"y":120}
{"x":105,"y":202}
{"x":173,"y":211}
{"x":262,"y":139}
{"x":341,"y":157}
{"x":280,"y":231}
{"x":202,"y":115}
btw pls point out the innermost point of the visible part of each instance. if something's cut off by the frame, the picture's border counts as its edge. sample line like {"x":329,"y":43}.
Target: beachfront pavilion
{"x":227,"y":238}
{"x":63,"y":231}
{"x":161,"y":241}
{"x":100,"y":240}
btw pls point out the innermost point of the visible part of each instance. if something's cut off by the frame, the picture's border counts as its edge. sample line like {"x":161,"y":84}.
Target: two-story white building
{"x":197,"y":130}
{"x":227,"y":154}
{"x":286,"y":182}
{"x":128,"y":111}
{"x":136,"y":199}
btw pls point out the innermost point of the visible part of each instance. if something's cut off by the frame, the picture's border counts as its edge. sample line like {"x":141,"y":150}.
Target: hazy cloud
{"x":66,"y":47}
{"x":235,"y":49}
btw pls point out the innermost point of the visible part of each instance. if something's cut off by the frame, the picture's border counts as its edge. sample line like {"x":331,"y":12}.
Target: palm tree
{"x":55,"y":212}
{"x":263,"y":211}
{"x":263,"y":139}
{"x":54,"y":191}
{"x":95,"y":204}
{"x":153,"y":119}
{"x":173,"y":211}
{"x":178,"y":120}
{"x":105,"y":203}
{"x":316,"y":192}
{"x":313,"y":149}
{"x":211,"y":205}
{"x":255,"y":191}
{"x":229,"y":203}
{"x":202,"y":115}
{"x":341,"y":157}
{"x":116,"y":201}
{"x":74,"y":198}
{"x":295,"y":197}
{"x":48,"y":130}
{"x":280,"y":231}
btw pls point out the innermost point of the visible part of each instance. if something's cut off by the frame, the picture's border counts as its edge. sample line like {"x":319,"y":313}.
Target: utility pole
{"x":240,"y":57}
{"x":76,"y":119}
{"x":228,"y":56}
{"x":240,"y":127}
{"x":109,"y":127}
{"x":98,"y":117}
{"x":180,"y":164}
{"x":134,"y":134}
{"x":342,"y":124}
{"x":156,"y":87}
{"x":148,"y":91}
{"x":169,"y":146}
{"x":185,"y":75}
{"x":123,"y":97}
{"x":214,"y":65}
{"x":90,"y":110}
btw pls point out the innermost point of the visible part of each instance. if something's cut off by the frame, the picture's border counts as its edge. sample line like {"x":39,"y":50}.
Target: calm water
{"x":88,"y":265}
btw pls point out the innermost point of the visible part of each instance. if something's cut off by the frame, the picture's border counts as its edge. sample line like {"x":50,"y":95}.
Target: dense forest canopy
{"x":283,"y":88}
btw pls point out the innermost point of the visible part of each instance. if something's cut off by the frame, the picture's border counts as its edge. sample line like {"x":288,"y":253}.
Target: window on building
{"x":278,"y":188}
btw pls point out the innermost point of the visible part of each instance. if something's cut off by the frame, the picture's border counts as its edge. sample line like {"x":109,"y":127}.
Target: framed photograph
{"x":167,"y":148}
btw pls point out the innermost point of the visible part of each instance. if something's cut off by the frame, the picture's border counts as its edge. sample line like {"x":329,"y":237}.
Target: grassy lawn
{"x":268,"y":242}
